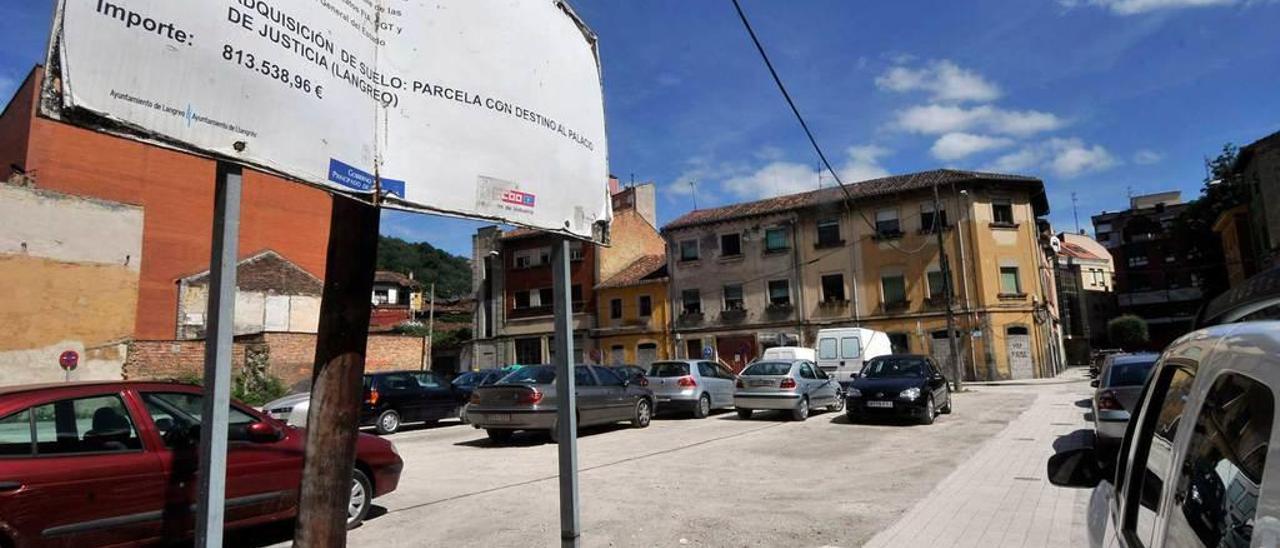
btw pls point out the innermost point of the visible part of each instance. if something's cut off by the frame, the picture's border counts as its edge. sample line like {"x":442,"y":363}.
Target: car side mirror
{"x":1079,"y":467}
{"x":1093,"y":384}
{"x":261,"y":432}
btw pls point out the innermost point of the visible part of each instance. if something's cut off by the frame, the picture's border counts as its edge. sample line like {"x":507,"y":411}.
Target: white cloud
{"x":1071,"y":158}
{"x":1065,"y":158}
{"x":954,"y":146}
{"x":1147,"y":157}
{"x":941,"y":119}
{"x":1133,"y":7}
{"x":781,"y":177}
{"x":945,"y":80}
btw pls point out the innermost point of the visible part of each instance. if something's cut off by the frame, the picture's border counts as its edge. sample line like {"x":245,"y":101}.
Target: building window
{"x":730,"y":245}
{"x":689,"y":250}
{"x":529,"y":351}
{"x":931,"y":221}
{"x":833,"y":288}
{"x":691,"y":301}
{"x":529,"y":258}
{"x":523,"y":300}
{"x":899,"y":343}
{"x":780,"y":292}
{"x":887,"y":225}
{"x":575,"y":251}
{"x":646,"y":306}
{"x":1002,"y":211}
{"x":381,"y":296}
{"x":937,"y":287}
{"x":1009,"y":282}
{"x":575,"y":293}
{"x":775,"y":239}
{"x":894,"y":287}
{"x":1102,"y":227}
{"x":546,"y":297}
{"x":733,"y":297}
{"x":1139,"y":260}
{"x":829,"y":232}
{"x":615,"y":309}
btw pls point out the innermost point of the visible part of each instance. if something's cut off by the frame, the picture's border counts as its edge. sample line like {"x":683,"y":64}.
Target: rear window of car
{"x":1130,"y":374}
{"x":669,"y":369}
{"x":767,"y":368}
{"x":466,"y":378}
{"x":543,"y":374}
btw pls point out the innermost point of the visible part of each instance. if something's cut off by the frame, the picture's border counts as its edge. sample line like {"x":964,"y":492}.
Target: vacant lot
{"x":714,"y":482}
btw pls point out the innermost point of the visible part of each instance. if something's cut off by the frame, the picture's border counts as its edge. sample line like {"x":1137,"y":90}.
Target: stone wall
{"x":289,"y":356}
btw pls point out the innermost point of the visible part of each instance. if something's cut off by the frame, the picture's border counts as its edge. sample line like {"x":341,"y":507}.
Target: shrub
{"x":1128,"y":332}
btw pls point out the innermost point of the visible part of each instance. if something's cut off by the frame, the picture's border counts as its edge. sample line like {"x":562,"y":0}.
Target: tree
{"x":1223,"y":189}
{"x":1128,"y":332}
{"x":450,"y":273}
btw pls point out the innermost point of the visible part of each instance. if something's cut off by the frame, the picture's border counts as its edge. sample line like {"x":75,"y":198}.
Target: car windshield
{"x":767,"y":368}
{"x":465,"y":378}
{"x":542,"y":374}
{"x":1131,"y":373}
{"x":669,"y":369}
{"x":884,"y":368}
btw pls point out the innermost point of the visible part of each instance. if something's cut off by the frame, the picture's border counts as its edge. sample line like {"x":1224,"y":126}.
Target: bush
{"x":1128,"y":332}
{"x":253,"y":390}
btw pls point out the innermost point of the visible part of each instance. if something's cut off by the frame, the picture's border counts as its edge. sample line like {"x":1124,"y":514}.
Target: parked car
{"x":391,"y":398}
{"x":637,"y":374}
{"x":902,"y":385}
{"x":796,"y":386}
{"x":1100,"y":356}
{"x":842,"y":351}
{"x":1191,"y":468}
{"x":465,"y":383}
{"x":526,"y":400}
{"x":106,"y":463}
{"x":696,"y":386}
{"x":785,"y":353}
{"x":1117,"y":390}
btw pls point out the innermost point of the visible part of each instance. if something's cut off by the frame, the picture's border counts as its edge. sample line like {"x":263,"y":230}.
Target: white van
{"x":789,"y":353}
{"x":843,"y":350}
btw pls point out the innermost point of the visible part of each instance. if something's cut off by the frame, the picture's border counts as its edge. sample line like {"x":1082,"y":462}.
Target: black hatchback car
{"x":395,"y":397}
{"x":899,"y":385}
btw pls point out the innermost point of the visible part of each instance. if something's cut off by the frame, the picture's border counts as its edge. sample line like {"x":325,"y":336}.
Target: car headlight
{"x":853,"y":392}
{"x":910,"y":394}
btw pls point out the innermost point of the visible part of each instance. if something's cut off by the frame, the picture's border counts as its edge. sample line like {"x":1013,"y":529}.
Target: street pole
{"x":567,"y":400}
{"x":431,"y":324}
{"x":220,"y":311}
{"x":947,"y":292}
{"x":337,"y":387}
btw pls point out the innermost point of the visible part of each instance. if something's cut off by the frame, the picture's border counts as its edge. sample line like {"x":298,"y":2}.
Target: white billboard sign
{"x":479,"y":108}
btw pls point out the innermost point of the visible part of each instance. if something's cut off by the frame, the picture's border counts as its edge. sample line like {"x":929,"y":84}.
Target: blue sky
{"x":1097,"y":97}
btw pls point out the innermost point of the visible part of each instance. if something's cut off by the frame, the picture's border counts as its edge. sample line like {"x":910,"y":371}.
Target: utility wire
{"x":808,"y":133}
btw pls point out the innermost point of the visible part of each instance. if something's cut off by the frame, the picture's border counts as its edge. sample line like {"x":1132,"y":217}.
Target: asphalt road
{"x":719,"y":481}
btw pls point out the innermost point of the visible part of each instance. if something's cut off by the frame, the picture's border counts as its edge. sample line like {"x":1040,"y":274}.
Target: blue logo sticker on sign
{"x":361,"y":180}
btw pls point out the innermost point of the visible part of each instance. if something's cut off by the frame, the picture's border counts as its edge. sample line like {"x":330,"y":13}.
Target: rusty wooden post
{"x":336,"y":389}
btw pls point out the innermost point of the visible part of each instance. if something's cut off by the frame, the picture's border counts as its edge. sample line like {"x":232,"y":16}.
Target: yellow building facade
{"x":633,"y":319}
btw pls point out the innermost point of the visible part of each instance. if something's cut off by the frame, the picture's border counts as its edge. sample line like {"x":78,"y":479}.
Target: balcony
{"x":537,"y":311}
{"x":934,"y":229}
{"x":896,"y":306}
{"x":779,"y":309}
{"x":828,"y":244}
{"x":887,"y":235}
{"x":733,"y":315}
{"x":690,"y":319}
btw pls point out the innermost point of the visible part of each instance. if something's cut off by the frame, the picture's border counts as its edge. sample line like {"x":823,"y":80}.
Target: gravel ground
{"x":720,"y":481}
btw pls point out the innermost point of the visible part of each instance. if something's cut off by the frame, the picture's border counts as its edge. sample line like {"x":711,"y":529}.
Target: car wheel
{"x":388,"y":422}
{"x":946,"y":409}
{"x":838,"y":406}
{"x":744,"y":414}
{"x":929,"y":412}
{"x":361,"y":496}
{"x":703,"y":408}
{"x":499,"y":435}
{"x":801,"y":412}
{"x":644,"y":412}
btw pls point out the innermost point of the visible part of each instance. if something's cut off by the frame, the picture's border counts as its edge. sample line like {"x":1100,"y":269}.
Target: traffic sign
{"x":708,"y":352}
{"x":69,"y":360}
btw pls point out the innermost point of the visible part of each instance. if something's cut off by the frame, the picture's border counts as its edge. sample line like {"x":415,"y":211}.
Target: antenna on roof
{"x":1075,"y":211}
{"x":693,"y":190}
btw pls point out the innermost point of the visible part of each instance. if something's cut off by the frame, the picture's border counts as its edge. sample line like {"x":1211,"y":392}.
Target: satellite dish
{"x":1055,"y":244}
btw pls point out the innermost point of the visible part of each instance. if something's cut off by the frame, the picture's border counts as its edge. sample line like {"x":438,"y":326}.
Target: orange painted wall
{"x":176,"y":191}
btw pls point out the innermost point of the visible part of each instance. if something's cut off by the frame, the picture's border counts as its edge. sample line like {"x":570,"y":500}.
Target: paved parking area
{"x":974,"y":478}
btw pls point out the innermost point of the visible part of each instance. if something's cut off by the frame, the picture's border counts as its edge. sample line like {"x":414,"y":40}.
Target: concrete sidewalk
{"x":1000,"y":496}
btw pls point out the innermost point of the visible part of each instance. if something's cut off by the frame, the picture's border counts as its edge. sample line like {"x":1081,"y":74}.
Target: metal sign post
{"x":217,"y":356}
{"x":566,"y":393}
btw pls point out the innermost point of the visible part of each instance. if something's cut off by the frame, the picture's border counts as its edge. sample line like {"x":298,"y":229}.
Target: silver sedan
{"x":788,"y":385}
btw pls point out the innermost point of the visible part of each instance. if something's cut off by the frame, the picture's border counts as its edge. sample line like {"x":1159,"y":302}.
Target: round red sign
{"x":69,"y":360}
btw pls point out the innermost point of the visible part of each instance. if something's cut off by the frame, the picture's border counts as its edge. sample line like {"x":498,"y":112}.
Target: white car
{"x":1192,"y":467}
{"x":291,"y":409}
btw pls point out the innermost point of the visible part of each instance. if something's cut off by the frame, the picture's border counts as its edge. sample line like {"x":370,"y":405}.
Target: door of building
{"x":646,"y":353}
{"x":940,"y":349}
{"x":1018,"y":341}
{"x":737,"y":350}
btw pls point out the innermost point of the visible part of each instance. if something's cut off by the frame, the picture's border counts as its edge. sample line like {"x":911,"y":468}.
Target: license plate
{"x":663,"y":400}
{"x":886,"y":404}
{"x":496,"y":417}
{"x":762,"y":383}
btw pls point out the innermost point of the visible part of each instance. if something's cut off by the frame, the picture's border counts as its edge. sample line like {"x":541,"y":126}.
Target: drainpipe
{"x":853,"y":276}
{"x":965,"y":204}
{"x":799,"y":278}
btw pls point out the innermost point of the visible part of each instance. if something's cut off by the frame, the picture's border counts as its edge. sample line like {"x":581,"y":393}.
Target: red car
{"x":106,"y":463}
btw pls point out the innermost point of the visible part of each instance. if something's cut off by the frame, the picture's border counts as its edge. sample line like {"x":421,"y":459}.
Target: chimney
{"x":614,"y":186}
